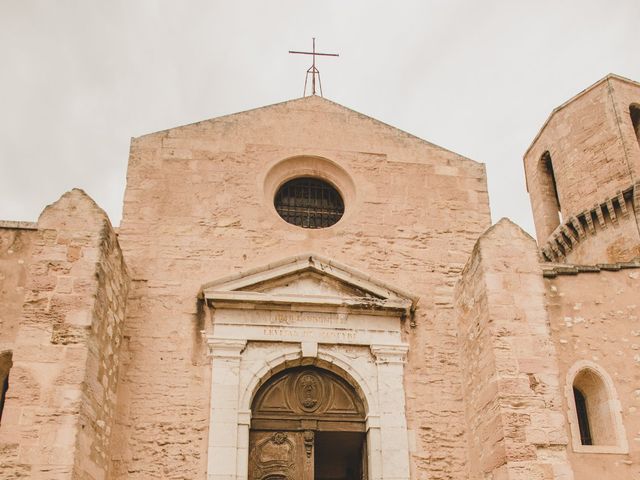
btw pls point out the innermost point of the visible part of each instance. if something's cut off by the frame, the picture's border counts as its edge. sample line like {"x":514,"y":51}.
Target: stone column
{"x":242,"y":463}
{"x":390,"y":360}
{"x":374,"y":450}
{"x":224,"y":425}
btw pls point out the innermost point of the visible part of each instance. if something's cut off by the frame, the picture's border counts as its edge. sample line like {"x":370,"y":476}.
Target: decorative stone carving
{"x":272,"y":454}
{"x":305,"y":393}
{"x":279,"y":438}
{"x":309,"y":391}
{"x":308,"y":437}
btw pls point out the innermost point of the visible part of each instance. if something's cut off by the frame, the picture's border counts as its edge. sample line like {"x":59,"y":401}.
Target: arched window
{"x":549,"y":192}
{"x":594,"y":411}
{"x":634,"y":111}
{"x":550,"y":180}
{"x":5,"y":366}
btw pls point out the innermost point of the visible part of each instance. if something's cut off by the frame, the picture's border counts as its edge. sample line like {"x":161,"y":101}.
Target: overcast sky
{"x":79,"y":78}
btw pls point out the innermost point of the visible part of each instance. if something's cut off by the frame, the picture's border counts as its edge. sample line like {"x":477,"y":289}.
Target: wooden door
{"x":293,"y":415}
{"x":280,"y":455}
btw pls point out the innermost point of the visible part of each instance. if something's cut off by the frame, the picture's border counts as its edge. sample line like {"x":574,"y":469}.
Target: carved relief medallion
{"x":309,"y":391}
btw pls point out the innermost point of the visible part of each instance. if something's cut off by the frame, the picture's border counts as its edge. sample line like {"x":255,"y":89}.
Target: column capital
{"x":372,"y":421}
{"x":230,"y":348}
{"x":244,"y":417}
{"x":390,"y":353}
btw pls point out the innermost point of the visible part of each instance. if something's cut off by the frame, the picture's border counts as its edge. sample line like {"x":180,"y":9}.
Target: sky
{"x":79,"y":78}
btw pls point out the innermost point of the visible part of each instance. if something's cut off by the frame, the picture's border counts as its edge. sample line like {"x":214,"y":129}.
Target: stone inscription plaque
{"x":300,"y":326}
{"x":313,"y":318}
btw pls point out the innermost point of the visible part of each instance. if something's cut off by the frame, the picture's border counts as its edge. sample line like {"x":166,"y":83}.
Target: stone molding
{"x":554,"y":270}
{"x":392,"y":354}
{"x":574,"y":230}
{"x":233,"y":289}
{"x":18,"y":225}
{"x":253,"y":333}
{"x":292,"y":353}
{"x":224,"y":347}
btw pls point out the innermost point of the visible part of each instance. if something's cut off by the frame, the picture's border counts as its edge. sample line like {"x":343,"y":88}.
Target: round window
{"x":309,"y":203}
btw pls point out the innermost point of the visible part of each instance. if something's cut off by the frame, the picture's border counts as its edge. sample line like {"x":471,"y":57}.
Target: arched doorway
{"x":307,"y":423}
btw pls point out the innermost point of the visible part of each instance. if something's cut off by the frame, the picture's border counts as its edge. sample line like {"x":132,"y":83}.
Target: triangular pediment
{"x":307,"y":280}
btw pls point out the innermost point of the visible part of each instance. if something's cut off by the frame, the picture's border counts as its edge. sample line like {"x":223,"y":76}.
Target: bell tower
{"x":583,"y":176}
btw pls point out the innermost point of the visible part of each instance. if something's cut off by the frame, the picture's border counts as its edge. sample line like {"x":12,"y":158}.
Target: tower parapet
{"x":583,"y":174}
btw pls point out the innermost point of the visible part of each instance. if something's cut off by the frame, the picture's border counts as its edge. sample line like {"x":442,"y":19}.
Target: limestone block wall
{"x":198,"y":208}
{"x":58,"y":415}
{"x":510,"y":373}
{"x":16,"y":240}
{"x":594,"y":318}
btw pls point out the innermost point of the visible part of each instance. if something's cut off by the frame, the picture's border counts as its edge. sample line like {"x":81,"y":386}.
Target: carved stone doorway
{"x":307,"y":423}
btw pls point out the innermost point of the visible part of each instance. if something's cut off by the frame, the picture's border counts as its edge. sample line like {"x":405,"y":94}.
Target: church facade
{"x":303,"y":292}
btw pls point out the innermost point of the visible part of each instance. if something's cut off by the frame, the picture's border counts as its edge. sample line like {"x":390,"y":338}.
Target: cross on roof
{"x":313,"y":70}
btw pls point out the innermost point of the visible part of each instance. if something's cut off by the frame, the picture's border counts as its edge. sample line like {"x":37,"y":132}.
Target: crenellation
{"x":566,"y":239}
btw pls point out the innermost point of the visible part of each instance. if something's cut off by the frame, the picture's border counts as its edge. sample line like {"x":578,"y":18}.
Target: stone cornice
{"x":229,"y":348}
{"x":554,"y":269}
{"x":580,"y":227}
{"x":18,"y":225}
{"x":235,"y":291}
{"x":390,"y":353}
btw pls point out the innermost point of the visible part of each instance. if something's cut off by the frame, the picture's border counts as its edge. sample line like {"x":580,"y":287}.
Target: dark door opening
{"x":339,"y":456}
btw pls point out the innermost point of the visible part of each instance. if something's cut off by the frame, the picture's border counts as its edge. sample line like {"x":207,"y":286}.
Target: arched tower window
{"x":5,"y":366}
{"x":549,"y":179}
{"x":594,"y":411}
{"x":634,"y":111}
{"x":549,"y":201}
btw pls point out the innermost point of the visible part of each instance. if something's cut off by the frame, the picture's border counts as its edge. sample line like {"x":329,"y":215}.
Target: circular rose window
{"x":309,"y":203}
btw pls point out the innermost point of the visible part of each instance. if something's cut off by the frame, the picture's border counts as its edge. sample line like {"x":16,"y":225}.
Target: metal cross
{"x":313,"y":70}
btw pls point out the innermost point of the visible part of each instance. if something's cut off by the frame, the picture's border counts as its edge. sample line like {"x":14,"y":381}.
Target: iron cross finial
{"x":313,"y":70}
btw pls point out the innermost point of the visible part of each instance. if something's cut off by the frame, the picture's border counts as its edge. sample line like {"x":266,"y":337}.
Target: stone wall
{"x":198,"y":207}
{"x":509,"y":369}
{"x":16,"y":240}
{"x":59,"y":408}
{"x":594,"y":317}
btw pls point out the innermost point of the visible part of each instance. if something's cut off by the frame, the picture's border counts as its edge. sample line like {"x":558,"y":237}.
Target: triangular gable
{"x":310,"y":280}
{"x":314,"y":102}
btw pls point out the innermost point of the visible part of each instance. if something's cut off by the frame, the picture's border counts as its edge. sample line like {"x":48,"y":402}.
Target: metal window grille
{"x":309,"y":203}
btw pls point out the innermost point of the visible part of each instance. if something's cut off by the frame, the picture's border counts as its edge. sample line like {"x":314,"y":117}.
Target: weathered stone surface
{"x":594,"y":317}
{"x":509,"y":366}
{"x":196,"y":210}
{"x":60,"y":404}
{"x":460,"y":344}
